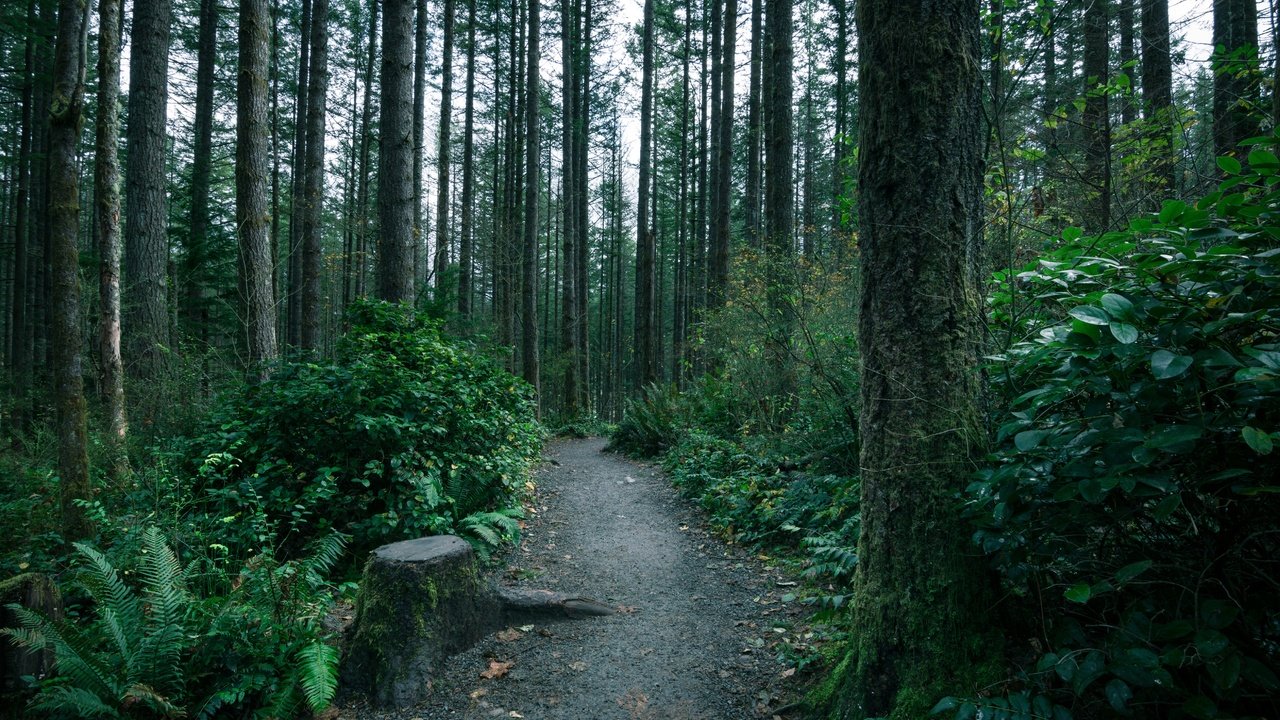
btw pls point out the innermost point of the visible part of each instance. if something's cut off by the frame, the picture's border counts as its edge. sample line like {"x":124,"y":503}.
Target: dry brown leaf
{"x":497,"y":669}
{"x":479,"y":693}
{"x":509,"y":635}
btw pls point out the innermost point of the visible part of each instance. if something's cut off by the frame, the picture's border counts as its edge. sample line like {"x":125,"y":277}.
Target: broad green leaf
{"x":1258,"y":440}
{"x":1124,"y":333}
{"x":945,"y":704}
{"x":1170,"y":435}
{"x":1029,"y":439}
{"x":1229,"y":165}
{"x":1166,"y":365}
{"x":1171,"y":210}
{"x":1118,"y":694}
{"x":1263,"y":159}
{"x":1118,"y":306}
{"x":1129,"y":572}
{"x":1090,"y":314}
{"x":1072,"y":233}
{"x":1079,"y":593}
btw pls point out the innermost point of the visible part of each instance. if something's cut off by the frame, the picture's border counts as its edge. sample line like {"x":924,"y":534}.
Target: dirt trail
{"x":691,"y":643}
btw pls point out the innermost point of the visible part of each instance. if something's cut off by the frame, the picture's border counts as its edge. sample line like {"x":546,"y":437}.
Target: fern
{"x":318,"y":670}
{"x":488,"y":531}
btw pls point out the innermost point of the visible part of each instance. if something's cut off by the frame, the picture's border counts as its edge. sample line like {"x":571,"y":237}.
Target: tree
{"x":253,"y":216}
{"x":570,"y":342}
{"x":395,"y":155}
{"x":718,"y":278}
{"x":106,"y":191}
{"x":1157,"y":86}
{"x":918,"y":593}
{"x":146,"y":319}
{"x":195,"y":313}
{"x":779,"y":187}
{"x":443,"y":241}
{"x":645,"y":357}
{"x":529,"y":289}
{"x":1096,"y":119}
{"x":466,"y":242}
{"x":20,"y":345}
{"x":312,"y":215}
{"x":66,"y":120}
{"x":1236,"y":77}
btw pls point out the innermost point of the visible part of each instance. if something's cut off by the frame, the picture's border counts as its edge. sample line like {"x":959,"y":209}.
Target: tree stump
{"x":36,"y":592}
{"x":420,"y":600}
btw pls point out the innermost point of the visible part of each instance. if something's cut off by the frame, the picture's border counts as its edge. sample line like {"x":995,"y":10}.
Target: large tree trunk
{"x":529,"y":291}
{"x":253,"y":218}
{"x":569,"y":340}
{"x":718,"y":279}
{"x":918,"y":593}
{"x":297,"y":193}
{"x":146,"y":322}
{"x":842,"y":129}
{"x":20,"y":345}
{"x":443,"y":241}
{"x":779,"y":188}
{"x":395,"y":155}
{"x":1236,"y":76}
{"x":1096,"y":119}
{"x":420,"y":48}
{"x":645,"y":275}
{"x":366,"y":123}
{"x":107,"y":194}
{"x":313,"y":182}
{"x":466,"y":250}
{"x":66,"y":119}
{"x":581,"y":205}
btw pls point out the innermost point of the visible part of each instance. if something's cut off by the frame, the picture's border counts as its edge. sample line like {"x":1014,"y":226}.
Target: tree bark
{"x":779,"y":209}
{"x":645,"y":276}
{"x":466,"y":250}
{"x":253,"y":216}
{"x":919,"y":590}
{"x":443,"y":241}
{"x":66,"y":120}
{"x":569,"y":340}
{"x":395,"y":155}
{"x":718,"y":279}
{"x":107,"y":194}
{"x":313,"y":183}
{"x":1096,"y":119}
{"x":146,"y":320}
{"x":529,"y":290}
{"x":1236,"y":75}
{"x":1128,"y":108}
{"x":421,"y":41}
{"x":20,"y":343}
{"x":195,"y":314}
{"x":1157,"y":88}
{"x":298,"y":184}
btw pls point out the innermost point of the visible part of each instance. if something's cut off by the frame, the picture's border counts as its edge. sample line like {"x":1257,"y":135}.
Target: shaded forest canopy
{"x":958,"y":305}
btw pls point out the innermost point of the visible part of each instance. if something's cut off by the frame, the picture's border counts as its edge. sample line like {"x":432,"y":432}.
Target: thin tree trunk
{"x":419,"y":138}
{"x":718,"y":282}
{"x":195,"y":312}
{"x":107,"y":193}
{"x":297,"y":193}
{"x":842,"y":128}
{"x":466,"y":251}
{"x":313,"y":185}
{"x":1128,"y":108}
{"x":395,"y":156}
{"x":66,"y":120}
{"x":1236,"y":76}
{"x":644,"y":322}
{"x":581,"y":206}
{"x":569,"y":341}
{"x":20,"y":345}
{"x":366,"y":140}
{"x":1096,"y":119}
{"x":779,"y":209}
{"x":443,"y":241}
{"x":532,"y":369}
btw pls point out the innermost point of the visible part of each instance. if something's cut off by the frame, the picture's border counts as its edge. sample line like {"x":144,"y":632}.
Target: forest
{"x":965,"y":314}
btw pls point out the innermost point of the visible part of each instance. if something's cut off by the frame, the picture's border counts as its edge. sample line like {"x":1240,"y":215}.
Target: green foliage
{"x":161,"y":650}
{"x":650,"y":423}
{"x":405,"y":434}
{"x":1132,"y":495}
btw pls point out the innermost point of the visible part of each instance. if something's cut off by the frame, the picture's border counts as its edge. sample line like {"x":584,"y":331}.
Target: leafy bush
{"x":405,"y":434}
{"x":1133,"y":495}
{"x":651,"y":423}
{"x":166,"y":652}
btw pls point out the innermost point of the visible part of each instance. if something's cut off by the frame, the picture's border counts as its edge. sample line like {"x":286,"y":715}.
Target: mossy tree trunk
{"x":919,"y":592}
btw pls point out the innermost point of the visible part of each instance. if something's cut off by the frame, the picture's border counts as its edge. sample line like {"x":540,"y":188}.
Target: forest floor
{"x":697,"y":623}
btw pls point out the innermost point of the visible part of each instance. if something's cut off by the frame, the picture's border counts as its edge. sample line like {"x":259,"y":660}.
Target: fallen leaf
{"x":579,"y":666}
{"x":497,"y":669}
{"x":525,"y":628}
{"x":628,"y":609}
{"x":788,"y":672}
{"x":479,"y":693}
{"x":509,"y":635}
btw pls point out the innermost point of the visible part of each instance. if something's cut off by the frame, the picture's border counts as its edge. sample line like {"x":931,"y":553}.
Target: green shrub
{"x":651,"y":423}
{"x":170,"y":652}
{"x":1133,"y":495}
{"x":405,"y":434}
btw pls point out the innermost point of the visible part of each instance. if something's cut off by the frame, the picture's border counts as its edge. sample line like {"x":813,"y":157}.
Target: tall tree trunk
{"x":395,"y":155}
{"x":20,"y":344}
{"x":569,"y":341}
{"x":66,"y":119}
{"x":842,"y":128}
{"x":779,"y":209}
{"x":443,"y":241}
{"x":918,"y":592}
{"x":645,"y":275}
{"x":146,"y":321}
{"x":107,"y":193}
{"x":313,"y":185}
{"x":298,"y":189}
{"x":366,"y":140}
{"x":421,"y":43}
{"x":529,"y":291}
{"x":1128,"y":108}
{"x":718,"y":281}
{"x":253,"y":218}
{"x":1096,"y":119}
{"x":466,"y":249}
{"x":581,"y":204}
{"x":195,"y":312}
{"x":1157,"y":88}
{"x":680,"y":329}
{"x":1236,"y":76}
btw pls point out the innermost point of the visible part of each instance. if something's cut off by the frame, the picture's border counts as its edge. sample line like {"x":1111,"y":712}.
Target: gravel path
{"x":697,"y":623}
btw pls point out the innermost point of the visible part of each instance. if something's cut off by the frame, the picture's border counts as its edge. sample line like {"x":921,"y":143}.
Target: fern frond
{"x":76,"y":654}
{"x":318,"y":669}
{"x":104,"y":584}
{"x":285,"y":702}
{"x":147,"y":697}
{"x":324,"y":553}
{"x":162,"y":578}
{"x":159,"y":659}
{"x":72,"y":701}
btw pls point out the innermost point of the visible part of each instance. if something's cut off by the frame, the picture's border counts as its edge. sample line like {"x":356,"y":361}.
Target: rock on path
{"x":692,"y":640}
